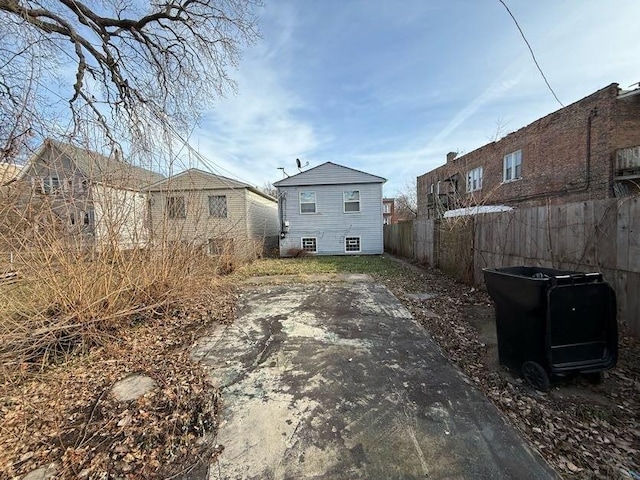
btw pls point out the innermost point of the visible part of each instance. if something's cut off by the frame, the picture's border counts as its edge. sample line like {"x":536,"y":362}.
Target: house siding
{"x":251,"y":217}
{"x":555,"y":152}
{"x":198,"y":226}
{"x":262,"y":219}
{"x":121,"y":217}
{"x":330,"y":225}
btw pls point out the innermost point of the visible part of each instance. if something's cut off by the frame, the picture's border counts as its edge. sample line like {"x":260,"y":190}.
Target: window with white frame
{"x":386,"y":207}
{"x":432,"y":188}
{"x":474,"y":180}
{"x":352,"y":244}
{"x":512,"y":169}
{"x":50,"y":185}
{"x":351,"y":201}
{"x":309,"y":244}
{"x":88,"y":217}
{"x":218,"y":206}
{"x":307,"y":202}
{"x":176,"y":207}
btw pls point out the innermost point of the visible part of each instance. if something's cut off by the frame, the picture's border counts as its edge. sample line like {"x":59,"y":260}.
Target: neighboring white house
{"x":331,"y":210}
{"x":98,"y":200}
{"x":213,"y":211}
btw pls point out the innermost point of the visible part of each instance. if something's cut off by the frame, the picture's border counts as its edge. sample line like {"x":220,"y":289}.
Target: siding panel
{"x":330,"y":225}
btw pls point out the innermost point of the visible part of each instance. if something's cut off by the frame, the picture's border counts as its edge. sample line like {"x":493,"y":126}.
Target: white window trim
{"x":359,"y":244}
{"x":510,"y":157}
{"x":470,"y":177}
{"x":315,"y":239}
{"x":344,"y":202}
{"x":315,"y":203}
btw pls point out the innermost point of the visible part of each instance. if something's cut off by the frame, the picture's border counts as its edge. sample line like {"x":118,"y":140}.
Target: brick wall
{"x":557,"y":150}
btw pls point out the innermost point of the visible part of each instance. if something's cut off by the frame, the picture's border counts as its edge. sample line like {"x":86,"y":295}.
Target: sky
{"x":390,"y":87}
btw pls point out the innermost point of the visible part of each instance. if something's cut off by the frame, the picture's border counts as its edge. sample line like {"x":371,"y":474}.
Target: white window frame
{"x":386,"y":207}
{"x":474,"y":179}
{"x":510,"y":164}
{"x":346,"y":242}
{"x":315,"y":244}
{"x":47,"y":186}
{"x":221,"y":211}
{"x":314,"y":203}
{"x":345,"y":201}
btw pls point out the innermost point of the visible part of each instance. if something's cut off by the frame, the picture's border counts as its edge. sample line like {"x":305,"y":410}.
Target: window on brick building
{"x":474,"y":180}
{"x":512,"y":166}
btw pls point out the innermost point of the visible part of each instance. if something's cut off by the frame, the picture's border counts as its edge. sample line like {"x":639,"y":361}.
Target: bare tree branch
{"x":158,"y":61}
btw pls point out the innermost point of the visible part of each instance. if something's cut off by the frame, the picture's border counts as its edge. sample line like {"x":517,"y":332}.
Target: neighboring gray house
{"x":213,"y":211}
{"x":97,"y":200}
{"x":331,"y":210}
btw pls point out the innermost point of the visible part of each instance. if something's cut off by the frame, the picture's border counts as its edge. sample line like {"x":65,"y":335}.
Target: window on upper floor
{"x":474,"y":180}
{"x":88,"y":217}
{"x":218,"y":206}
{"x":512,"y":166}
{"x":50,"y":185}
{"x":386,"y":207}
{"x":351,"y":201}
{"x":176,"y":207}
{"x":307,"y":202}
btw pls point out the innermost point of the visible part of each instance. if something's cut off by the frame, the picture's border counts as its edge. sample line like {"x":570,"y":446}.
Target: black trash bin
{"x":553,"y":322}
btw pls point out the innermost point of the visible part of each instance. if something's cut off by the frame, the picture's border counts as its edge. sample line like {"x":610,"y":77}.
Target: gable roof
{"x":329,"y":173}
{"x":196,"y":179}
{"x":98,"y":167}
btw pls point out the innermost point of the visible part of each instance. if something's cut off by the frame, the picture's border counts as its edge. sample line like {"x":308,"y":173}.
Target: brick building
{"x":389,"y":211}
{"x":587,"y":150}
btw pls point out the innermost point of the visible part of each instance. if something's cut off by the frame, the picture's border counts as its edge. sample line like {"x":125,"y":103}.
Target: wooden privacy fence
{"x":398,"y":239}
{"x":594,"y":236}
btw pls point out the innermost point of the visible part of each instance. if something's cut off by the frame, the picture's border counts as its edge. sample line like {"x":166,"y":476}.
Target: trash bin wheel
{"x":536,"y":376}
{"x":594,"y":378}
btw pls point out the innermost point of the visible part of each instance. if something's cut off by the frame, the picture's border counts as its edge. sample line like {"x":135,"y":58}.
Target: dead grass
{"x":83,"y":316}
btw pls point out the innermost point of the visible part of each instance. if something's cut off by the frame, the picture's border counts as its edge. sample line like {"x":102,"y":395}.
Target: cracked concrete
{"x":338,"y":381}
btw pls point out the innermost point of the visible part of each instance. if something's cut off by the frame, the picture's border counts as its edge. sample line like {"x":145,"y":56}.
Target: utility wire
{"x":532,"y":54}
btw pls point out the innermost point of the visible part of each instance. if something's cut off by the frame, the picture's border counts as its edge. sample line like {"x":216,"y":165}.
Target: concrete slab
{"x":133,"y":387}
{"x":338,"y":381}
{"x":421,"y":296}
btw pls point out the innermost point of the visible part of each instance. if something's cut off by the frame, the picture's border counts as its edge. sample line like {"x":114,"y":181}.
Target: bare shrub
{"x":298,"y":252}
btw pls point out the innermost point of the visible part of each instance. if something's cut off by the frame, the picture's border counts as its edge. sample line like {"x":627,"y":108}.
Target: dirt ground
{"x":583,"y":430}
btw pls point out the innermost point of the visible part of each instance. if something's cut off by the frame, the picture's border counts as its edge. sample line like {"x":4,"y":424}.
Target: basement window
{"x":474,"y":180}
{"x":310,"y":244}
{"x":352,"y":244}
{"x":512,"y":166}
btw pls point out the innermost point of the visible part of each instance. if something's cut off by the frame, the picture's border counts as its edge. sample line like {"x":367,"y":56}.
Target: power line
{"x":532,"y":54}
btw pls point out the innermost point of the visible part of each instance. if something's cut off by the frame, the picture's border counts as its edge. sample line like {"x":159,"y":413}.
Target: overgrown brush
{"x":73,"y":295}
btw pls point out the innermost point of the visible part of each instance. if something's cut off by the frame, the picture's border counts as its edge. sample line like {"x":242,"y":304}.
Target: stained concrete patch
{"x":42,"y":473}
{"x":338,"y":381}
{"x":132,"y":387}
{"x":307,"y":278}
{"x":421,"y":296}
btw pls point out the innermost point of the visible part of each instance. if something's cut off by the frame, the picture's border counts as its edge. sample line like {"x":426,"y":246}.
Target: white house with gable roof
{"x":330,"y":210}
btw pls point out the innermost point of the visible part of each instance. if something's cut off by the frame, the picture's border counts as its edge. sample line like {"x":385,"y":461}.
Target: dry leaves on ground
{"x":583,"y":430}
{"x":66,"y":416}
